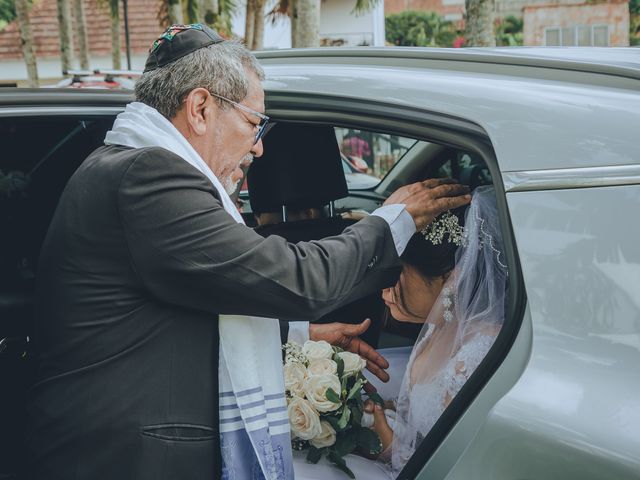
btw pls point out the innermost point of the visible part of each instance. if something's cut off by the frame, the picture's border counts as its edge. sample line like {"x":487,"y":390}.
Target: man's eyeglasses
{"x":264,"y":120}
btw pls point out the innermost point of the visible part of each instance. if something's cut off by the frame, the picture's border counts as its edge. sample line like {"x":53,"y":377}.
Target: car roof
{"x":540,"y":108}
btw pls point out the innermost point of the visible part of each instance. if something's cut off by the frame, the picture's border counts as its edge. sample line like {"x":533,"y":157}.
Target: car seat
{"x":302,"y":168}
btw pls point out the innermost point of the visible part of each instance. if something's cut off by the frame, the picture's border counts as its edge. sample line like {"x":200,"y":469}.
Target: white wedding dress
{"x":469,"y":311}
{"x":427,"y":402}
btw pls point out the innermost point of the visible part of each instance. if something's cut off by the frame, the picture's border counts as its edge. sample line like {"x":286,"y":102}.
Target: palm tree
{"x":114,"y":13}
{"x":64,"y":29}
{"x":258,"y":25}
{"x":305,"y":23}
{"x":209,"y":11}
{"x":479,"y":23}
{"x":250,"y":22}
{"x":26,"y":39}
{"x":175,"y":12}
{"x":81,"y":34}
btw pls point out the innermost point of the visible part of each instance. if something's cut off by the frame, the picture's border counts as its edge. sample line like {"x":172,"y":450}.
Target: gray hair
{"x":220,"y":68}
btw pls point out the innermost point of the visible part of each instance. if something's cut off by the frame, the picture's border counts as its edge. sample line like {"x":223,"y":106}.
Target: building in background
{"x":339,"y":26}
{"x":546,"y":22}
{"x":577,"y":24}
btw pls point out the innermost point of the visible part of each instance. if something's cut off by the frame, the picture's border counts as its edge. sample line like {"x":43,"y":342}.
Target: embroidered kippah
{"x":178,"y":41}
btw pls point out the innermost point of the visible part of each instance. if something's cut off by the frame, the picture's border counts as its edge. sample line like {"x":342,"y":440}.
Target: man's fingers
{"x":434,"y":182}
{"x":451,"y":203}
{"x":358,"y":329}
{"x":369,"y":353}
{"x":449,"y":190}
{"x":377,"y":371}
{"x":369,"y":388}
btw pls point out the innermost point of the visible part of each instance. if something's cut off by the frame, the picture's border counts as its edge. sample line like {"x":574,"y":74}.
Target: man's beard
{"x":228,"y":184}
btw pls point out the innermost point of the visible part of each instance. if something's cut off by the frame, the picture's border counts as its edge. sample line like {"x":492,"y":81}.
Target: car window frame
{"x":448,"y":131}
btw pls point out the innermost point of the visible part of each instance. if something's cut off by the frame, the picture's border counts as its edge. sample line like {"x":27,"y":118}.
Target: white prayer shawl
{"x":254,"y":424}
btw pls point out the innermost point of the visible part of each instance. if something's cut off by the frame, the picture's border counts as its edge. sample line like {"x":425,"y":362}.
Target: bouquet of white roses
{"x":324,"y":398}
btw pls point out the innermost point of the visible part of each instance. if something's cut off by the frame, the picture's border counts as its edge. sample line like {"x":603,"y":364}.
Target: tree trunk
{"x":81,"y":34}
{"x":250,"y":23}
{"x":209,"y":11}
{"x":305,"y":23}
{"x":175,"y":12}
{"x":479,"y":26}
{"x":26,"y":41}
{"x":115,"y":33}
{"x":258,"y":25}
{"x":64,"y":28}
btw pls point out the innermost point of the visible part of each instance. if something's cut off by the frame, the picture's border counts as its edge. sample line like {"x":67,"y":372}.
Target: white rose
{"x":353,"y":363}
{"x":317,"y":350}
{"x":322,"y":366}
{"x":304,"y":420}
{"x":315,"y":389}
{"x":327,"y":436}
{"x":294,"y":375}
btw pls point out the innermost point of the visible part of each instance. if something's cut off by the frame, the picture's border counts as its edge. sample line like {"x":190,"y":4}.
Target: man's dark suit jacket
{"x":139,"y":260}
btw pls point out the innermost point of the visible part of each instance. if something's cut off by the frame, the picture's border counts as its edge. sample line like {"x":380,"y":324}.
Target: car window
{"x":368,"y":156}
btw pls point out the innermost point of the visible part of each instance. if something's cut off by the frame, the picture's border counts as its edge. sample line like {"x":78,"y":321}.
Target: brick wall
{"x":144,"y":28}
{"x":614,"y":14}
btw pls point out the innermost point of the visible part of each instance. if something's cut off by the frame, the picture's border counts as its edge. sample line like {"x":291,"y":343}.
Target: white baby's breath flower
{"x":304,"y":419}
{"x":294,"y":375}
{"x":353,"y":363}
{"x":315,"y":389}
{"x":322,"y":366}
{"x":327,"y":436}
{"x":317,"y":350}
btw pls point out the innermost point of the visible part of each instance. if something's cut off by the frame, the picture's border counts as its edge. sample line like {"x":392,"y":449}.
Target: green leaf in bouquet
{"x":368,"y":440}
{"x":314,"y":455}
{"x":333,"y":421}
{"x":376,"y":398}
{"x":340,"y":463}
{"x":344,"y":418}
{"x":332,"y":396}
{"x":340,"y":364}
{"x":345,"y":444}
{"x":355,"y":389}
{"x":356,"y":414}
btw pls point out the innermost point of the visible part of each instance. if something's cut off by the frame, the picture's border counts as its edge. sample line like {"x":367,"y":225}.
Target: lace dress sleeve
{"x":466,"y":361}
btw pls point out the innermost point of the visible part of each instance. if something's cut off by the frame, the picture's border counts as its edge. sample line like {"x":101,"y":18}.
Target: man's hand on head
{"x":345,"y":336}
{"x":426,"y":200}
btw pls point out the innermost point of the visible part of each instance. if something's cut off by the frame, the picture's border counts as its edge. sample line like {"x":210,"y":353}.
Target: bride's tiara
{"x":446,"y":225}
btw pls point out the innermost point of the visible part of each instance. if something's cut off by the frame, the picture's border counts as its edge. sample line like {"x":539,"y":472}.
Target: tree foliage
{"x":634,"y":22}
{"x":419,"y":29}
{"x":509,"y":32}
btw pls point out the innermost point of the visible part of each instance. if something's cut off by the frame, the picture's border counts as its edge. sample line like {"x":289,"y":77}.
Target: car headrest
{"x":301,"y":168}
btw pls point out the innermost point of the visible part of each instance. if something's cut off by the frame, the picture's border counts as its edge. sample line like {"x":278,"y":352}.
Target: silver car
{"x":557,"y":133}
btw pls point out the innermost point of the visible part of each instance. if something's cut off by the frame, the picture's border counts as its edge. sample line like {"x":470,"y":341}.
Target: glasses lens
{"x":265,"y":126}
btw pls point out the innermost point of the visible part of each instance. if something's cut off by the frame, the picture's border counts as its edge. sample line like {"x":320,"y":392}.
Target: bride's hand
{"x":380,"y":425}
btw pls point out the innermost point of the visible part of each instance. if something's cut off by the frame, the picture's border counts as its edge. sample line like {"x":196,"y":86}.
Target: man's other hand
{"x":426,"y":200}
{"x":345,"y":336}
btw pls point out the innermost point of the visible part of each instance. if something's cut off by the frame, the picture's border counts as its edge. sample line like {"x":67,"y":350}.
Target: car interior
{"x":40,"y":154}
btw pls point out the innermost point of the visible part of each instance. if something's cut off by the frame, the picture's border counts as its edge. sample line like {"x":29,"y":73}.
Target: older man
{"x":140,"y":371}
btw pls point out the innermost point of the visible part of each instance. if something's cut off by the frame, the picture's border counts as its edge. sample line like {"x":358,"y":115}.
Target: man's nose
{"x":257,"y":149}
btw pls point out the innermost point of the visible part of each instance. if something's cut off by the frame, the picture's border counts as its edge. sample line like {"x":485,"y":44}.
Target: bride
{"x":459,"y":294}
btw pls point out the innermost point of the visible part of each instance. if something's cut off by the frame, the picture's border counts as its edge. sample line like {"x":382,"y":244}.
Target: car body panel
{"x":575,"y":412}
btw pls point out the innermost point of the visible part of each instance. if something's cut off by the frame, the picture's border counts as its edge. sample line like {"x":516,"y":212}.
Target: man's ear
{"x":198,"y":106}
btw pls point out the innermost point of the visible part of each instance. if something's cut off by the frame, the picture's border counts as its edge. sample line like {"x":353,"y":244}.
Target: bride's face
{"x":413,"y":296}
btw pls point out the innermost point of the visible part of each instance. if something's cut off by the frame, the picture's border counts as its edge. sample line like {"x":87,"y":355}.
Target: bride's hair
{"x":431,"y":261}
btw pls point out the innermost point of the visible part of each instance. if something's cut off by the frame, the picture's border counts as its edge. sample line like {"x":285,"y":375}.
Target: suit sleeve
{"x":188,"y":251}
